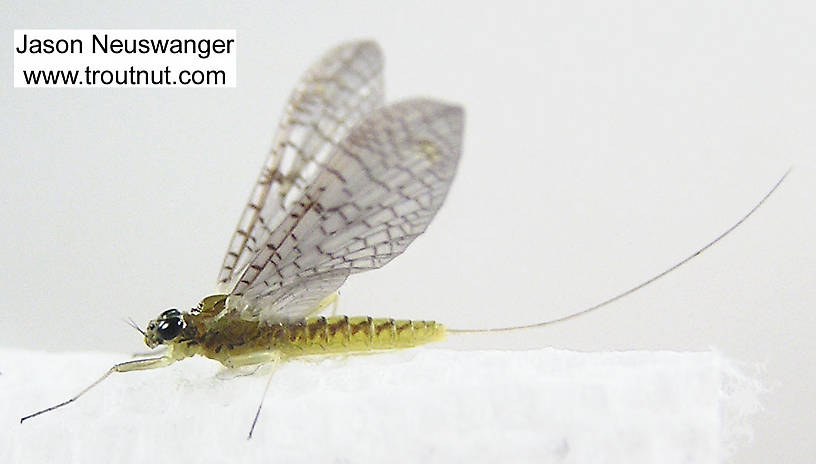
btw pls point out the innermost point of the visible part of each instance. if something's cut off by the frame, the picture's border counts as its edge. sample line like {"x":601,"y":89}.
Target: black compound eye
{"x":172,"y":312}
{"x":170,"y":328}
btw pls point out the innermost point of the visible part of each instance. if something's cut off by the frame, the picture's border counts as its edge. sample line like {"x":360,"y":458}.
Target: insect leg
{"x":274,"y":364}
{"x":160,"y":351}
{"x":335,"y":297}
{"x":324,"y":303}
{"x":248,"y":359}
{"x":230,"y":373}
{"x":142,"y":364}
{"x":127,"y":366}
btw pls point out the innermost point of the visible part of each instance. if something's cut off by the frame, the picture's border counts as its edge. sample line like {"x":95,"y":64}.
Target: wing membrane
{"x":331,"y":97}
{"x":369,"y":199}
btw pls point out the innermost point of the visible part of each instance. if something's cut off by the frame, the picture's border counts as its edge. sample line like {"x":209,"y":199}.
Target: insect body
{"x":236,"y":342}
{"x":348,"y":185}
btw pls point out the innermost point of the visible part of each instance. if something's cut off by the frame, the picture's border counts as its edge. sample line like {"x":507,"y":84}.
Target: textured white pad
{"x":425,"y":405}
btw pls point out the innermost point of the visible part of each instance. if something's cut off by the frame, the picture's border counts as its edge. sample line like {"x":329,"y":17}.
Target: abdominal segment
{"x":317,"y":335}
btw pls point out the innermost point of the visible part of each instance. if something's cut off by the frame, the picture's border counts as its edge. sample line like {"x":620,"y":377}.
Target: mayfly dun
{"x":348,"y":185}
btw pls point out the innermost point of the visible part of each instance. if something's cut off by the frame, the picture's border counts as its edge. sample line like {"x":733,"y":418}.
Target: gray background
{"x":603,"y":143}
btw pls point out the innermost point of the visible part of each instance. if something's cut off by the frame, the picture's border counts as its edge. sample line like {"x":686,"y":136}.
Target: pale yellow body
{"x":239,"y":342}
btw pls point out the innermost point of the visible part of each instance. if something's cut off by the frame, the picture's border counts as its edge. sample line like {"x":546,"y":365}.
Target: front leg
{"x":127,"y":366}
{"x":137,"y":365}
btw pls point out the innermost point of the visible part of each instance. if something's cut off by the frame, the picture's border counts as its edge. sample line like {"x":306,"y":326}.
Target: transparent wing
{"x":374,"y":194}
{"x":296,"y":299}
{"x":331,"y":97}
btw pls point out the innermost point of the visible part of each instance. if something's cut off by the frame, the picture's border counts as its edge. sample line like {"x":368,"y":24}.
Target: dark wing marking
{"x":331,"y":97}
{"x":376,"y":192}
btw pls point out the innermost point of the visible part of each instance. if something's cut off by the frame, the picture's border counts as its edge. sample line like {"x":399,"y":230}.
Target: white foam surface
{"x":424,"y":405}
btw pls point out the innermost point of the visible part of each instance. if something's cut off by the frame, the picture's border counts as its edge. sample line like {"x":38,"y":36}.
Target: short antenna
{"x":133,"y":324}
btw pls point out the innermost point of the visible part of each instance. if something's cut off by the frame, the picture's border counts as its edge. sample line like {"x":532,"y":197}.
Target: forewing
{"x":376,"y":193}
{"x":331,"y":97}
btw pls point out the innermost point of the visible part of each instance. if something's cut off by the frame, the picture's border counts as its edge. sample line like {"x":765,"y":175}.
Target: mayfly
{"x":347,"y":186}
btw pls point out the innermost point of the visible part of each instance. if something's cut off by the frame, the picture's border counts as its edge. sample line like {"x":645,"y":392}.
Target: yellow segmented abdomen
{"x":340,"y":334}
